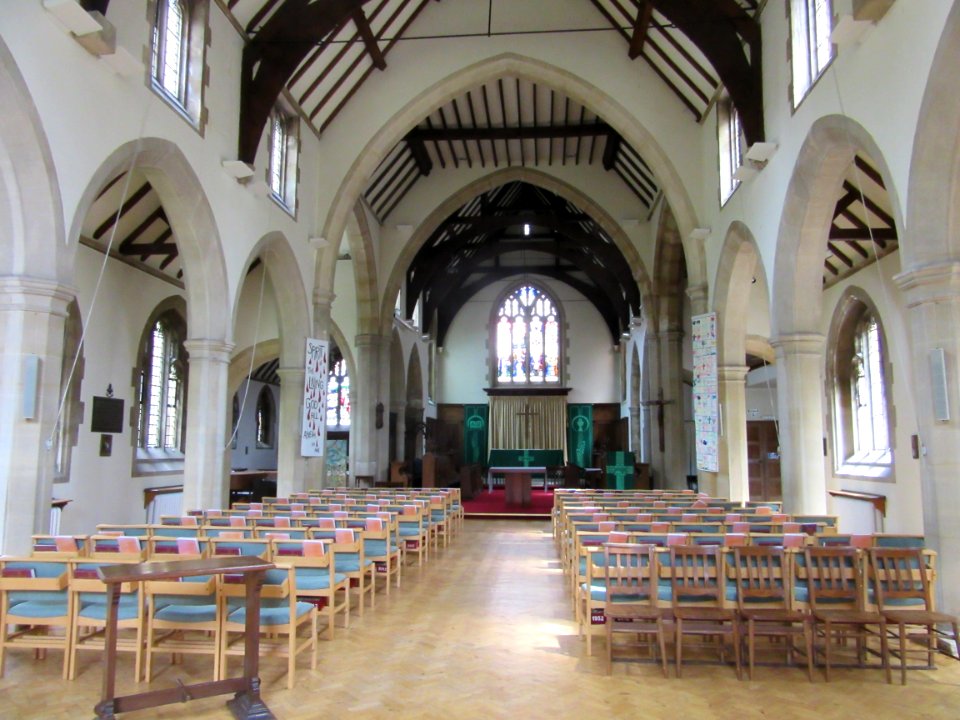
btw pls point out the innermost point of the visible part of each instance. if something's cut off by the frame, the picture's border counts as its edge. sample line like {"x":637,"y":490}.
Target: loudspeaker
{"x":938,"y":385}
{"x":31,"y":382}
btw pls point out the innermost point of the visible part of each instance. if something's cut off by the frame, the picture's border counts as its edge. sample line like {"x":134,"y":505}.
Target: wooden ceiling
{"x":863,"y":229}
{"x":509,"y":121}
{"x":513,"y":230}
{"x":321,"y":53}
{"x":129,"y":212}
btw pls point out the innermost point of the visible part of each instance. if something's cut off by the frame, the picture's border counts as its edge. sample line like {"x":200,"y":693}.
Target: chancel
{"x":435,"y":266}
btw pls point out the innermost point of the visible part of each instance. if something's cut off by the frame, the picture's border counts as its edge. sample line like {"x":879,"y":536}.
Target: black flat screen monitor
{"x":107,"y":415}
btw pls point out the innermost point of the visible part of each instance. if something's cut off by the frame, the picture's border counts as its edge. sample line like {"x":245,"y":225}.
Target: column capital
{"x":291,"y":373}
{"x":31,"y":294}
{"x":323,"y":298}
{"x":697,"y":294}
{"x":671,"y":334}
{"x":798,"y":344}
{"x":209,"y":349}
{"x":367,"y":340}
{"x":936,"y":282}
{"x":732,"y":373}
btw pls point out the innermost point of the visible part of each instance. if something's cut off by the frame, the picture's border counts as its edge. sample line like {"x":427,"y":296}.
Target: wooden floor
{"x":486,"y":631}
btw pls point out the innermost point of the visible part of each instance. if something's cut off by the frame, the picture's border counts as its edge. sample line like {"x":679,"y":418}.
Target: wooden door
{"x":763,"y":460}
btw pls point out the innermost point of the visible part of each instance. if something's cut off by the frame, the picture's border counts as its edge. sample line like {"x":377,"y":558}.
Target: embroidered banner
{"x":475,"y":434}
{"x":313,"y":426}
{"x":580,"y":434}
{"x":706,"y":399}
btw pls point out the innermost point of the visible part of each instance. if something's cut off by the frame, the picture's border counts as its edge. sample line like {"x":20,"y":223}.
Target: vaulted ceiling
{"x":321,"y":53}
{"x":514,"y":230}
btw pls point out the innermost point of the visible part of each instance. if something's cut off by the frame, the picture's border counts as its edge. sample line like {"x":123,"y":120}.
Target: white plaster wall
{"x":103,"y":489}
{"x":592,"y":364}
{"x":902,"y":488}
{"x":246,"y":454}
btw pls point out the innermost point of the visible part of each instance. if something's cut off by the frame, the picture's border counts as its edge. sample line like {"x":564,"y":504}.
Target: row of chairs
{"x":812,"y":601}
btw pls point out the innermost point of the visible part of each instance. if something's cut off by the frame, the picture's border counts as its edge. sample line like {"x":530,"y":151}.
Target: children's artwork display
{"x":706,"y":399}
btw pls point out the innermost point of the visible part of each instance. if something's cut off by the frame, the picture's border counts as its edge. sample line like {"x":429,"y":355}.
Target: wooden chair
{"x":281,"y":614}
{"x":697,"y":598}
{"x":316,"y":578}
{"x":381,"y":547}
{"x":763,"y":600}
{"x":903,"y":592}
{"x":630,"y":598}
{"x":836,"y":595}
{"x":414,"y":533}
{"x":350,"y":560}
{"x":35,"y":606}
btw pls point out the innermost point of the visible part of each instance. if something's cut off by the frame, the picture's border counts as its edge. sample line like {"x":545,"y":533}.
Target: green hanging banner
{"x":620,"y":470}
{"x":475,"y":434}
{"x":580,"y":434}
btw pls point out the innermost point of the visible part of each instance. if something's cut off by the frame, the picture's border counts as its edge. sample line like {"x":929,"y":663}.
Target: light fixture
{"x":526,"y":229}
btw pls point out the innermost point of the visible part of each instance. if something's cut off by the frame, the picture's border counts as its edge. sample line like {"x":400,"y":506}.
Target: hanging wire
{"x":253,"y":355}
{"x":103,"y":267}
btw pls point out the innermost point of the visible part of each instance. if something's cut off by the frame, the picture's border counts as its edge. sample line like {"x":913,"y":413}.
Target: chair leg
{"x":902,"y":632}
{"x":885,"y":651}
{"x":750,"y":646}
{"x":661,"y":637}
{"x":679,"y":644}
{"x":808,"y":642}
{"x":609,"y":633}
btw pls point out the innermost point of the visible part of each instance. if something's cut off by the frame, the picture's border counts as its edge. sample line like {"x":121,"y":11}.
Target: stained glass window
{"x":528,"y":338}
{"x":338,"y":394}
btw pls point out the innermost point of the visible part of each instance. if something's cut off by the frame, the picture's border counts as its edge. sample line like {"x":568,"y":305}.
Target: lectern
{"x":246,"y":704}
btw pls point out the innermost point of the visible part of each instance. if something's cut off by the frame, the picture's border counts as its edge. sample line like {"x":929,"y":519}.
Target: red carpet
{"x":494,"y":503}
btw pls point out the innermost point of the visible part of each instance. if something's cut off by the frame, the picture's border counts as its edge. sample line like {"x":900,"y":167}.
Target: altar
{"x":518,"y":482}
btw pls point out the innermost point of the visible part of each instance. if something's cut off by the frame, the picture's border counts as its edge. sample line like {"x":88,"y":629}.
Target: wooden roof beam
{"x":369,"y":41}
{"x":644,"y":13}
{"x":544,"y":132}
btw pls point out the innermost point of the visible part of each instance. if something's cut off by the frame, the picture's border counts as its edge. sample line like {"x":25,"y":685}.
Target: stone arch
{"x":808,"y":209}
{"x":241,"y":364}
{"x":487,"y":183}
{"x":739,"y":265}
{"x":622,"y":120}
{"x":416,"y":403}
{"x":666,"y":308}
{"x":274,"y":250}
{"x":365,"y":275}
{"x":398,"y":384}
{"x":198,"y":240}
{"x":934,"y":183}
{"x":31,"y":210}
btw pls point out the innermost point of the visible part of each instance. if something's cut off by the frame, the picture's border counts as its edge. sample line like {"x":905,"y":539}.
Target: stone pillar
{"x":206,"y":461}
{"x":698,"y":299}
{"x":800,"y":407}
{"x":733,"y":479}
{"x":364,"y":390}
{"x":400,"y":409}
{"x":33,"y":312}
{"x":315,"y":468}
{"x":933,"y":307}
{"x":674,"y":431}
{"x":291,"y":466}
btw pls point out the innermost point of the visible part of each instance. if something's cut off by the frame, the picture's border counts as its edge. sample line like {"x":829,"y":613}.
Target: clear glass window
{"x":811,"y":23}
{"x":170,"y":48}
{"x":161,"y":390}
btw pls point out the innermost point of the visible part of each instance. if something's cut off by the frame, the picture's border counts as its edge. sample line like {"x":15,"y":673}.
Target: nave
{"x":486,"y":630}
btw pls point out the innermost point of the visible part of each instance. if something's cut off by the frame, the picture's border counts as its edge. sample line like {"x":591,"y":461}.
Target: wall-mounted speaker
{"x":938,"y":385}
{"x":31,"y":382}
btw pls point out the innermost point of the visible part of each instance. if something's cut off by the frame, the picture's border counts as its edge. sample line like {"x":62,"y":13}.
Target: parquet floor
{"x":486,"y":631}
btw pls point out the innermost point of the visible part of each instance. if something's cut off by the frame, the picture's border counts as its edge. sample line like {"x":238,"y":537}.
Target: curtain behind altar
{"x":545,"y":428}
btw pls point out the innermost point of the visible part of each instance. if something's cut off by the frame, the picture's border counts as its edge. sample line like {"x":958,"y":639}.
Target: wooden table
{"x":246,"y":703}
{"x":517,"y":482}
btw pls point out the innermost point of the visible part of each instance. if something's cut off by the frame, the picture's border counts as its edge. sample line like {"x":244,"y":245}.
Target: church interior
{"x":506,"y":252}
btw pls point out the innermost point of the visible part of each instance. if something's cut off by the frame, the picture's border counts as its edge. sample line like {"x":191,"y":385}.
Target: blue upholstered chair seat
{"x":96,"y":609}
{"x":598,"y":593}
{"x":272,"y":615}
{"x":316,"y":578}
{"x":187,"y":613}
{"x":16,"y":597}
{"x":377,"y":548}
{"x":409,"y":531}
{"x":41,"y":608}
{"x":350,"y":562}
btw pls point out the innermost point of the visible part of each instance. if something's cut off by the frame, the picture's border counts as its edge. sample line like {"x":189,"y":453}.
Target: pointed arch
{"x":495,"y":179}
{"x":589,"y":95}
{"x":739,"y":265}
{"x":194,"y":226}
{"x":809,"y":205}
{"x":365,"y":276}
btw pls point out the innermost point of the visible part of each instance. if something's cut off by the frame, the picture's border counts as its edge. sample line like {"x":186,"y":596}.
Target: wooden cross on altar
{"x":525,"y":416}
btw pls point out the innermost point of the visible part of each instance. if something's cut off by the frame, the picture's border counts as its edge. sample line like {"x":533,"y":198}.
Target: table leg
{"x":247,"y":705}
{"x":104,"y":708}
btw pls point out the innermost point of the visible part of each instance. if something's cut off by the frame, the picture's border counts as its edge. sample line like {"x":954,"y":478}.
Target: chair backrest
{"x":695,"y":574}
{"x":761,"y":576}
{"x":899,"y":577}
{"x":630,"y":572}
{"x":833,"y":576}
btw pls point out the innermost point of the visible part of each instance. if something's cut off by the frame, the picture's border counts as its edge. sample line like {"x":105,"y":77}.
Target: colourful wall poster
{"x":313,"y":426}
{"x":706,"y":398}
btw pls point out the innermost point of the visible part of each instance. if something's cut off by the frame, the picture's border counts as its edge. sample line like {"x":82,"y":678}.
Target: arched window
{"x":162,"y":381}
{"x":170,"y":49}
{"x":266,"y":415}
{"x":860,"y":389}
{"x":527,"y":338}
{"x":338,"y":392}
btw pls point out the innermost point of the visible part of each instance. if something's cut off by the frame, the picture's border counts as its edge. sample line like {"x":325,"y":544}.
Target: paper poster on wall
{"x":313,"y":427}
{"x":706,"y":399}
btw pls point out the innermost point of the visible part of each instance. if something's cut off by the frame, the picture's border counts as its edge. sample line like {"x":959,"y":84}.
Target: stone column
{"x":733,"y":480}
{"x":315,"y":468}
{"x":400,"y":409}
{"x":364,"y":390}
{"x":32,"y":316}
{"x":291,"y":466}
{"x":800,"y":407}
{"x":206,"y":461}
{"x":933,"y":307}
{"x":674,"y":431}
